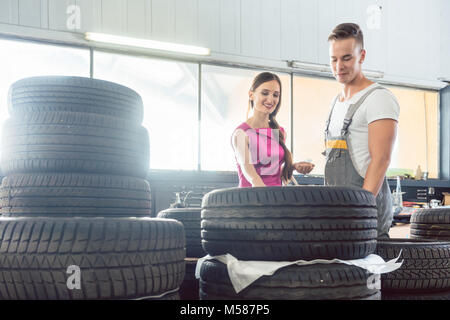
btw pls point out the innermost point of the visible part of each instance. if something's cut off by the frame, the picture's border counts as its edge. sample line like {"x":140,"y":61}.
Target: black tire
{"x":169,"y":295}
{"x":73,"y":123}
{"x":190,"y":218}
{"x":119,"y":258}
{"x":314,"y":282}
{"x":426,"y":265}
{"x":431,"y":216}
{"x":164,"y":297}
{"x":74,"y":94}
{"x":40,"y":149}
{"x":289,"y":223}
{"x":431,"y":227}
{"x":441,"y":235}
{"x":432,"y":224}
{"x":34,"y":136}
{"x":74,"y":194}
{"x":418,"y":296}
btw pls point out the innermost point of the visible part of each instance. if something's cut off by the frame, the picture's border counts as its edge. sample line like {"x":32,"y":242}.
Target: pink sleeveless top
{"x":266,"y":153}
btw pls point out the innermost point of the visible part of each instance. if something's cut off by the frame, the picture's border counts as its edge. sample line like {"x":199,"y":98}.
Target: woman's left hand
{"x":304,"y":167}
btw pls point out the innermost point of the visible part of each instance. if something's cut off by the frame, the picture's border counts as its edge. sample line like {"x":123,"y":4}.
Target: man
{"x":362,"y":126}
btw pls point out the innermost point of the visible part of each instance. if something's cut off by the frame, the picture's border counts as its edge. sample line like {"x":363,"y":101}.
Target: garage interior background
{"x":202,"y":99}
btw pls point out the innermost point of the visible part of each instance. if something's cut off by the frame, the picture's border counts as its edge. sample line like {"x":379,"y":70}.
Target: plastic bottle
{"x":398,"y":193}
{"x":418,"y":173}
{"x":397,"y":199}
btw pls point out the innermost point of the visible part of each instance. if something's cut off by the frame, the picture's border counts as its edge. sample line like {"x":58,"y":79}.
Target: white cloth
{"x":380,"y":104}
{"x":244,"y":273}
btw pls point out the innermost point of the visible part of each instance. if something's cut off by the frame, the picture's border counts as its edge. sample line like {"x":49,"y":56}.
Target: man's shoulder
{"x":382,"y":93}
{"x":381,"y":99}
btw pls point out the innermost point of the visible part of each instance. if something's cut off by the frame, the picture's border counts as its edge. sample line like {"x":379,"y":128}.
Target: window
{"x":169,"y":91}
{"x":312,"y":97}
{"x":224,"y":107}
{"x":417,"y":135}
{"x":20,"y":60}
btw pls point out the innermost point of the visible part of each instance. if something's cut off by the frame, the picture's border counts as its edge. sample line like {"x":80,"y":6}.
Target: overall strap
{"x":329,"y":116}
{"x":353,"y":108}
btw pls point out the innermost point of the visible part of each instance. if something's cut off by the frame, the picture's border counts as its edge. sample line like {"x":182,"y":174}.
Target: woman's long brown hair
{"x":261,"y":78}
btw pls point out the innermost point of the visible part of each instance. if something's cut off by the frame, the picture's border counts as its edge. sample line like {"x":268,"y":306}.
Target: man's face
{"x":346,"y":58}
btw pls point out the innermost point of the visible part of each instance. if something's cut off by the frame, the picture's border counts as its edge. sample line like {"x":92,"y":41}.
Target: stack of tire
{"x":191,"y":220}
{"x":425,"y":273}
{"x":74,"y":197}
{"x":287,"y":224}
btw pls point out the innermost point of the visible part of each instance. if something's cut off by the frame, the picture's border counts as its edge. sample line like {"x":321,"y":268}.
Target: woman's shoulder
{"x":240,"y":129}
{"x":243,"y":126}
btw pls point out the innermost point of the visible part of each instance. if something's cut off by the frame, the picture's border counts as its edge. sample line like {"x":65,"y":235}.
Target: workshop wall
{"x":405,"y":38}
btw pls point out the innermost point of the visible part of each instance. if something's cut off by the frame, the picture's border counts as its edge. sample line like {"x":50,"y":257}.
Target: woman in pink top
{"x":259,"y":143}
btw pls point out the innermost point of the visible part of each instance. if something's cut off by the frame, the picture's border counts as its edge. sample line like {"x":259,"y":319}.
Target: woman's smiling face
{"x":266,"y":97}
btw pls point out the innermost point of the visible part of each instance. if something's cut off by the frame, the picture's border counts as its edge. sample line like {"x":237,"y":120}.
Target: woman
{"x":259,"y":143}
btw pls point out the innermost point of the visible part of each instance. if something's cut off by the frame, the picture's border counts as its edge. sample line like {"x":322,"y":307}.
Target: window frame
{"x":200,"y":63}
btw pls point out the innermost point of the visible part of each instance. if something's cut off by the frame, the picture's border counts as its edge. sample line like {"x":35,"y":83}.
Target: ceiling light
{"x":325,"y":68}
{"x":373,"y":74}
{"x":444,"y":79}
{"x":306,"y":66}
{"x":145,"y":43}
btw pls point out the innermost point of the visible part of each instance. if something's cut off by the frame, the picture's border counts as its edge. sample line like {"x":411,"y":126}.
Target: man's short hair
{"x":347,"y":30}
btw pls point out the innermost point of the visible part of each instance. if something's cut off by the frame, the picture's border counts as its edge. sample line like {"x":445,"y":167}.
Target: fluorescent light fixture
{"x":325,"y":68}
{"x":373,"y":74}
{"x":306,"y":66}
{"x":145,"y":43}
{"x":444,"y":79}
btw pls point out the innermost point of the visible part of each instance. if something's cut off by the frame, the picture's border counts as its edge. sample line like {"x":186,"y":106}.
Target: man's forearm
{"x":375,"y":174}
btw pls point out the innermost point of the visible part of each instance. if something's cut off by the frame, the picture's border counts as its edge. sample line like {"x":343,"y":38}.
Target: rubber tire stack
{"x":287,"y":224}
{"x":431,"y":224}
{"x":191,"y":220}
{"x":424,"y":274}
{"x":75,"y":157}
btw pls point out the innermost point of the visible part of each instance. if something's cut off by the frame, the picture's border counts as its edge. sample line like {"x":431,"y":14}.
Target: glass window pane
{"x":418,"y":131}
{"x":312,"y":99}
{"x":20,"y":60}
{"x":169,"y":92}
{"x":224,"y":107}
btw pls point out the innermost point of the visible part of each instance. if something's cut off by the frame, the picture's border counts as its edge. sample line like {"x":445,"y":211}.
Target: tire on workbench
{"x":431,"y":224}
{"x":69,"y":194}
{"x":289,"y":223}
{"x":118,"y":258}
{"x":191,"y":220}
{"x":312,"y":282}
{"x":438,"y":235}
{"x":74,"y":94}
{"x":425,"y":268}
{"x":431,"y":216}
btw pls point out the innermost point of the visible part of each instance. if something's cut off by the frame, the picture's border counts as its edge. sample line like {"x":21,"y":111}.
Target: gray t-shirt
{"x":380,"y":104}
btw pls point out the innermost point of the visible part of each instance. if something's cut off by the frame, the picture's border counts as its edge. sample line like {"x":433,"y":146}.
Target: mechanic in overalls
{"x":362,"y":125}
